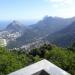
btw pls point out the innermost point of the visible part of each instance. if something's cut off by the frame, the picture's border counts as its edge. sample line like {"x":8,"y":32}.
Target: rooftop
{"x":43,"y":66}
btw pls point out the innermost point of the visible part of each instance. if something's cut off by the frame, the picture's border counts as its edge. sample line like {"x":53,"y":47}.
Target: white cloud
{"x":58,"y":3}
{"x":65,"y":12}
{"x":62,"y":8}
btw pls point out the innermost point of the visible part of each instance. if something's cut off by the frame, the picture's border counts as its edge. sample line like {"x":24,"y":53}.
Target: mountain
{"x":64,"y":37}
{"x":51,"y":25}
{"x":28,"y":36}
{"x":40,"y":30}
{"x":13,"y":30}
{"x":15,"y":26}
{"x":5,"y":23}
{"x":19,"y":34}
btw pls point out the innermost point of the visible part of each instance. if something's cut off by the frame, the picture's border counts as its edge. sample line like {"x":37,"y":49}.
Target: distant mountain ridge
{"x":5,"y":23}
{"x":15,"y":26}
{"x":48,"y":27}
{"x":64,"y":37}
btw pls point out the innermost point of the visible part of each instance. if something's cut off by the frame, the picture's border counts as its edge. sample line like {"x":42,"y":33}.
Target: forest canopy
{"x":11,"y":61}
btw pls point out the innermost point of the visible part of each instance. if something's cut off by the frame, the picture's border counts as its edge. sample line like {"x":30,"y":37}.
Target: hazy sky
{"x":36,"y":9}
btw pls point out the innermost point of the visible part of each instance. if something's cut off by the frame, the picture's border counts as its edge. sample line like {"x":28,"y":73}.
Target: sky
{"x":35,"y":9}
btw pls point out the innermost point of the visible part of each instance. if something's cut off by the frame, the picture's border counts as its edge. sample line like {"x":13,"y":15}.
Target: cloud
{"x":62,"y":8}
{"x":69,"y":12}
{"x":58,"y":3}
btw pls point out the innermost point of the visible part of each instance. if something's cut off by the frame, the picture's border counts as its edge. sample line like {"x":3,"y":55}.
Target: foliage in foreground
{"x":13,"y":60}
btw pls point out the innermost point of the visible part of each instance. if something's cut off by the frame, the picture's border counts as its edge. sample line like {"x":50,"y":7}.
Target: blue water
{"x":3,"y":24}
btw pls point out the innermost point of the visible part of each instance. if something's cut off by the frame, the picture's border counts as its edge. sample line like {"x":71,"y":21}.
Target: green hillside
{"x":13,"y":60}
